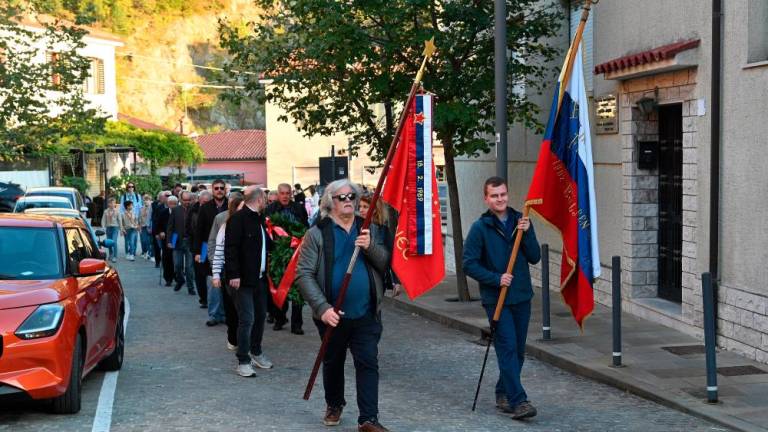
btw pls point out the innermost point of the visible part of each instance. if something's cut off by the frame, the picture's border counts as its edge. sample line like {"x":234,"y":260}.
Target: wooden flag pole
{"x":565,"y":76}
{"x":429,"y":50}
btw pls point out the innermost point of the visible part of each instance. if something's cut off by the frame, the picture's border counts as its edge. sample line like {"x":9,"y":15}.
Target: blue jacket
{"x":486,"y":255}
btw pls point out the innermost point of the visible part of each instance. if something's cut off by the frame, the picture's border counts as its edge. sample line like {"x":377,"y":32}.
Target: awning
{"x":660,"y":59}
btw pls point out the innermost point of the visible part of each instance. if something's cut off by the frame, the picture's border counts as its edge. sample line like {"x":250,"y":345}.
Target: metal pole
{"x":546,"y":326}
{"x":715,"y":137}
{"x":616,"y":309}
{"x":708,"y":296}
{"x":500,"y":62}
{"x":333,"y":162}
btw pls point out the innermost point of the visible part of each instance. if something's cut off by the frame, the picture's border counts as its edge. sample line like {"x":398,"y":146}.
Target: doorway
{"x":670,"y":202}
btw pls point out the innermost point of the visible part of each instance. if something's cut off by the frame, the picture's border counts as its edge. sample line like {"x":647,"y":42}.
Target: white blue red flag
{"x":562,"y":191}
{"x":411,"y":189}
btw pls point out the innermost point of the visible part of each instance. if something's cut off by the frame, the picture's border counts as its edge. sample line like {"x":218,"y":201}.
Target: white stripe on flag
{"x":427,"y":106}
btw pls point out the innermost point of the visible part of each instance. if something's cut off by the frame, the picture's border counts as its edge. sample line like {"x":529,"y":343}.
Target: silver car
{"x":30,"y":202}
{"x":72,"y":194}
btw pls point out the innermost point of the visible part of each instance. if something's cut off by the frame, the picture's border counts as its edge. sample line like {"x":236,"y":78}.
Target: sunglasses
{"x":130,"y":186}
{"x":219,"y":188}
{"x":345,"y":197}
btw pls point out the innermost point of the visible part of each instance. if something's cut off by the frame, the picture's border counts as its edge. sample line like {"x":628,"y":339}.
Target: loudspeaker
{"x":327,"y":167}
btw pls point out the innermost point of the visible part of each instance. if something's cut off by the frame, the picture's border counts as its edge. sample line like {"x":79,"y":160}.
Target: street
{"x":179,"y":376}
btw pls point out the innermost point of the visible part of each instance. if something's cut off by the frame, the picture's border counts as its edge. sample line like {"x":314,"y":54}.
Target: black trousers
{"x":169,"y":272}
{"x":230,"y":312}
{"x":201,"y":281}
{"x":158,"y":251}
{"x":281,"y":315}
{"x":361,"y":336}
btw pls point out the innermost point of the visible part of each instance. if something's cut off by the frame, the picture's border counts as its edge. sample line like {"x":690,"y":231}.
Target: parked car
{"x":72,"y":194}
{"x":74,"y":214}
{"x":9,"y":194}
{"x":61,"y":309}
{"x":29,"y":202}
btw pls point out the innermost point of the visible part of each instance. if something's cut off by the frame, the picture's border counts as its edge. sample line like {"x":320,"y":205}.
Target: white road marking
{"x":102,"y":422}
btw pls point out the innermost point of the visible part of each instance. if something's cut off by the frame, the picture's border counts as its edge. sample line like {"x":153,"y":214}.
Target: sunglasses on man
{"x":219,"y":188}
{"x":345,"y":197}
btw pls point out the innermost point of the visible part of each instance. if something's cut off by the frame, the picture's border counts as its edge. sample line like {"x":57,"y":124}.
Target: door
{"x":89,"y":293}
{"x":670,"y":202}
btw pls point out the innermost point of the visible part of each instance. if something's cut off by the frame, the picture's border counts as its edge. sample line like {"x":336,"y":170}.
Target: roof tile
{"x":649,"y":56}
{"x":244,"y":144}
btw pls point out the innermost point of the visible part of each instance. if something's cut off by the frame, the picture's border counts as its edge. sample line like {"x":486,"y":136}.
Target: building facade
{"x":650,"y":102}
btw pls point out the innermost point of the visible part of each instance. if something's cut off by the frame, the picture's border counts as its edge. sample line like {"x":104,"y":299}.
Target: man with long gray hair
{"x":245,"y":263}
{"x":325,"y":254}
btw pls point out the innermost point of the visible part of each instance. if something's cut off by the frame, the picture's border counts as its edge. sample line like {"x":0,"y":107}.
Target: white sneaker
{"x":231,"y":347}
{"x":245,"y":370}
{"x":261,"y":361}
{"x":131,"y":258}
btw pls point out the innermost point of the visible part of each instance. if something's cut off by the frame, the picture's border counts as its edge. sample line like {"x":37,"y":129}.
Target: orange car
{"x":61,"y":309}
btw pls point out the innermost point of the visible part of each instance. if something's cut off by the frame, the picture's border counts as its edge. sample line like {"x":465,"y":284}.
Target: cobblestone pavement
{"x":178,"y":376}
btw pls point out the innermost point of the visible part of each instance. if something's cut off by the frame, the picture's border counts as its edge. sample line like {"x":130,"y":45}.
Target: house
{"x":650,"y":73}
{"x":233,"y":154}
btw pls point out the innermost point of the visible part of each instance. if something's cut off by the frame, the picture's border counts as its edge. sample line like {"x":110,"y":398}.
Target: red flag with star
{"x":411,"y":189}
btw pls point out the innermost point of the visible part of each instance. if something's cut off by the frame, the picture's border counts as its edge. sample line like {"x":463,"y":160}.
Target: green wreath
{"x":282,"y":252}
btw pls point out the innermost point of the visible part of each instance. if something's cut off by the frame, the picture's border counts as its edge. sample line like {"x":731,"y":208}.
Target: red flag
{"x":411,"y":189}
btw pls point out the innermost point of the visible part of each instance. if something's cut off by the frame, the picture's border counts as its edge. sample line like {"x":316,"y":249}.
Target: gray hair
{"x":326,"y":202}
{"x":255,"y":195}
{"x":284,"y":186}
{"x":205,"y":194}
{"x":173,"y":199}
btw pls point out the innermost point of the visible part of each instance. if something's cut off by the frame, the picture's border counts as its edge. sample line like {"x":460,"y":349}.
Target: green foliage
{"x":145,"y":184}
{"x":78,"y":183}
{"x":332,"y":63}
{"x":282,"y":252}
{"x":43,"y":104}
{"x":174,"y":178}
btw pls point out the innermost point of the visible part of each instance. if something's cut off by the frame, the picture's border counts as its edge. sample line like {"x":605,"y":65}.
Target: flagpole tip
{"x":429,"y":47}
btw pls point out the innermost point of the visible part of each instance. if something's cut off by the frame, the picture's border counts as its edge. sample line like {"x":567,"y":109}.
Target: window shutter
{"x":52,"y":57}
{"x":100,"y":89}
{"x":586,"y":44}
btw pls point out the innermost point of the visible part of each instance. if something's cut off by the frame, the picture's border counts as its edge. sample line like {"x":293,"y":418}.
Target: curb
{"x":539,"y":351}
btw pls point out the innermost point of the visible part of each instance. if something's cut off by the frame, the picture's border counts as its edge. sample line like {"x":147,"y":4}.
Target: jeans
{"x":113,"y":233}
{"x":182,"y":260}
{"x":509,"y":343}
{"x":251,"y":301}
{"x":362,"y":337}
{"x":215,"y":306}
{"x":130,"y":241}
{"x":146,"y":242}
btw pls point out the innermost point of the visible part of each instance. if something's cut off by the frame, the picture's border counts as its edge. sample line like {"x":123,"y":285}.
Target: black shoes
{"x":270,"y":319}
{"x":278,"y":326}
{"x":211,"y":323}
{"x":168,"y":283}
{"x":178,"y":286}
{"x":203,"y":306}
{"x":297,"y":331}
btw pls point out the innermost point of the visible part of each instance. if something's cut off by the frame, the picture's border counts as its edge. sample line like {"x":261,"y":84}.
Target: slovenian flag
{"x":411,"y":189}
{"x":562,"y":191}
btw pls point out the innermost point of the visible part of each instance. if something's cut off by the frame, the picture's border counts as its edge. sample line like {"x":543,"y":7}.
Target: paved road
{"x":178,"y":376}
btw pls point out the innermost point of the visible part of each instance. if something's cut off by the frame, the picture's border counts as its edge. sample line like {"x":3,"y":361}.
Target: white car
{"x":30,"y":202}
{"x":72,"y":194}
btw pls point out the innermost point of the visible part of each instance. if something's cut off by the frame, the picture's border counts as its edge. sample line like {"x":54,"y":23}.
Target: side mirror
{"x":99,"y":232}
{"x":107,"y":243}
{"x":91,"y":266}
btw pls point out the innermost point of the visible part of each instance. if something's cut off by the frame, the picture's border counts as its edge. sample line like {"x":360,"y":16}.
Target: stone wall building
{"x":651,"y":80}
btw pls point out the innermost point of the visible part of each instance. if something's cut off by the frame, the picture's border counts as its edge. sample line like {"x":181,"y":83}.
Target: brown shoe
{"x":332,"y":415}
{"x":502,"y":403}
{"x":523,"y":410}
{"x":371,"y":426}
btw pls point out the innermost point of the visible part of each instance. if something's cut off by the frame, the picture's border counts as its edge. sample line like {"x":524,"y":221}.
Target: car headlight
{"x":43,"y":322}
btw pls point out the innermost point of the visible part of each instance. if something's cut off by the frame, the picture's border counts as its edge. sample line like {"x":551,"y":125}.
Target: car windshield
{"x":23,"y":204}
{"x":29,"y":253}
{"x":64,"y":194}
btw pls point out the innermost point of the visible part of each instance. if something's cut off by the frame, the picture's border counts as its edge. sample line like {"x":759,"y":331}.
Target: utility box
{"x":647,"y":155}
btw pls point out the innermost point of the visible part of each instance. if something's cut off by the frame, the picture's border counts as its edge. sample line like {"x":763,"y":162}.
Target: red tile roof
{"x":650,"y":56}
{"x":244,"y":144}
{"x":139,"y":123}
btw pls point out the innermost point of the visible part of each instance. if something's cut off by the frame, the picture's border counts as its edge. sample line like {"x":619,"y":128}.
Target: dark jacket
{"x":298,"y":211}
{"x":242,"y":249}
{"x":178,"y":223}
{"x":486,"y":255}
{"x":205,"y":216}
{"x":314,"y":272}
{"x":160,"y":215}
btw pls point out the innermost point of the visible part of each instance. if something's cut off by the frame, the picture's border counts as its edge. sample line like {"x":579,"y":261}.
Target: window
{"x":586,"y":45}
{"x":90,"y":248}
{"x":29,"y":253}
{"x":757,"y":27}
{"x":52,"y":58}
{"x":76,"y":249}
{"x":94,"y":84}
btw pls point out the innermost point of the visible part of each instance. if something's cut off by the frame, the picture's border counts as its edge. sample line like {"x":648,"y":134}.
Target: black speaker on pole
{"x":327,"y":167}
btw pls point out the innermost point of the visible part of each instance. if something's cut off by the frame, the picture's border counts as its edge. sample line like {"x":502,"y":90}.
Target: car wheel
{"x":115,"y":360}
{"x":69,"y":402}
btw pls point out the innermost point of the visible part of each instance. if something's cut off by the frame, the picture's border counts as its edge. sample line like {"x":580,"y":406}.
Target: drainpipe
{"x":715,"y":136}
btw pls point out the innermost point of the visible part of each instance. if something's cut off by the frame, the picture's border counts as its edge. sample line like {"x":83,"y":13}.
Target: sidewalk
{"x":661,"y":364}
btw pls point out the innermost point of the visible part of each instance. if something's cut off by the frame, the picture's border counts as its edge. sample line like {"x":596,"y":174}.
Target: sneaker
{"x":231,"y":347}
{"x":261,"y":361}
{"x":523,"y":410}
{"x":371,"y":426}
{"x":333,"y":415}
{"x":113,"y":259}
{"x":245,"y":370}
{"x":131,"y":258}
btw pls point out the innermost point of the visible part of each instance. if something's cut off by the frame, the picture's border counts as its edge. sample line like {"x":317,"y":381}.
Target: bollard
{"x":546,"y":328}
{"x":616,"y":308}
{"x":709,"y":335}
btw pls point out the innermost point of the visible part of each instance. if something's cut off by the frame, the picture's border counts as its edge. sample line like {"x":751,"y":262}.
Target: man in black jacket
{"x":179,"y":239}
{"x":296,"y":212}
{"x":160,"y":214}
{"x":205,"y":217}
{"x":245,"y":263}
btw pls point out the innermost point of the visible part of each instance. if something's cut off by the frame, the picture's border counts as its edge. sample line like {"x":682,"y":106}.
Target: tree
{"x":332,"y":63}
{"x":42,"y":101}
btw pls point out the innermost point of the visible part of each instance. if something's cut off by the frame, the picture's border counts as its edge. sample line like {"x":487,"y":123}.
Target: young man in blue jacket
{"x":486,"y":254}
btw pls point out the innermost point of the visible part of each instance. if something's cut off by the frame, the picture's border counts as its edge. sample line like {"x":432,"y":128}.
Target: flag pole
{"x":565,"y":76}
{"x":429,"y":50}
